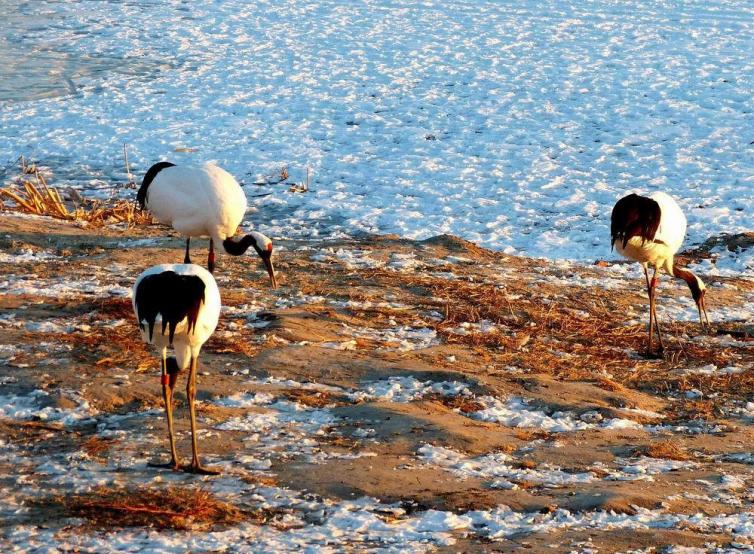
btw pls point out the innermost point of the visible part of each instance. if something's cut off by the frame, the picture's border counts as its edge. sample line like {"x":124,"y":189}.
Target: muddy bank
{"x":390,"y":393}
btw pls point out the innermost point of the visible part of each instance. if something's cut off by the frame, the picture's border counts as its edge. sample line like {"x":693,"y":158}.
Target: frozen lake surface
{"x":513,"y":124}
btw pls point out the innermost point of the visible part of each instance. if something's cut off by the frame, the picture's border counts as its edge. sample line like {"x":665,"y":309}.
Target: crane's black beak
{"x":266,"y":256}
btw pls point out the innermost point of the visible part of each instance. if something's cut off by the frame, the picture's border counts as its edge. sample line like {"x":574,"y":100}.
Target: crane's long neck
{"x":695,"y":283}
{"x":240,"y":246}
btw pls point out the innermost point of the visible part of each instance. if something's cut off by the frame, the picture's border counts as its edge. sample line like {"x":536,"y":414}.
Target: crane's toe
{"x":174,"y":465}
{"x":200,"y":469}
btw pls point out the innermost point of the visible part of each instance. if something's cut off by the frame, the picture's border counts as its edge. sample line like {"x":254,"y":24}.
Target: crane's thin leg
{"x":186,"y":258}
{"x":211,"y":257}
{"x":195,"y":466}
{"x":653,"y":310}
{"x":707,"y":327}
{"x":168,"y":383}
{"x":651,"y":313}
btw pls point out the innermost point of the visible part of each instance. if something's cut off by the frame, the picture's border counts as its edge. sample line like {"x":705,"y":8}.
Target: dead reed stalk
{"x":36,"y":197}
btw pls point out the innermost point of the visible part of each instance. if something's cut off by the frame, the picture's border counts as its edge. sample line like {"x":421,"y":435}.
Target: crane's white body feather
{"x":197,"y":201}
{"x":186,"y":345}
{"x":668,"y":239}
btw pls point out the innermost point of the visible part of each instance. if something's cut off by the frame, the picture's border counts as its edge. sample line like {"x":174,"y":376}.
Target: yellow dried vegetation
{"x":663,"y":449}
{"x":316,"y":399}
{"x":33,"y":195}
{"x":576,"y":337}
{"x":180,"y":508}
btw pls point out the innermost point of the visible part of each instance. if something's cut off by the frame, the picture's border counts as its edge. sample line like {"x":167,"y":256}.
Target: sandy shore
{"x":419,"y":387}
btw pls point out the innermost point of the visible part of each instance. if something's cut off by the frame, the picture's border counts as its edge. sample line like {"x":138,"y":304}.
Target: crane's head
{"x":698,"y":292}
{"x":263,"y":245}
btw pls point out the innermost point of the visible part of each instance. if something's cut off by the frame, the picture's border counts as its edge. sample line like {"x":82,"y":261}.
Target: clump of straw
{"x":663,"y":449}
{"x":36,"y":197}
{"x":180,"y":508}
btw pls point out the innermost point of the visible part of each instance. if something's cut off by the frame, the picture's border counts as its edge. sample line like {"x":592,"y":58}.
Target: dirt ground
{"x":569,"y":339}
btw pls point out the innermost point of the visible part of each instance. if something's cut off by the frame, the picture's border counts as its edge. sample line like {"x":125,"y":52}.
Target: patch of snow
{"x":406,"y":389}
{"x":402,"y":338}
{"x":351,"y":259}
{"x":28,"y":256}
{"x":644,"y":468}
{"x":496,"y":467}
{"x":29,"y":407}
{"x":60,"y":288}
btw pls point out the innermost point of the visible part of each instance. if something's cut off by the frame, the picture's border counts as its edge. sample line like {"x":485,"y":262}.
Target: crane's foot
{"x":174,"y":465}
{"x":657,"y":354}
{"x":199,"y":469}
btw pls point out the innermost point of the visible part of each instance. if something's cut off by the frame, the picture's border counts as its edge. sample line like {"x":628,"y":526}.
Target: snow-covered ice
{"x":515,"y":125}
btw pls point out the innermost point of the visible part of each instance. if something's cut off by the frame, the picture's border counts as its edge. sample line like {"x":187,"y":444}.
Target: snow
{"x":468,"y":328}
{"x":497,"y":468}
{"x":407,"y":389}
{"x":498,"y":123}
{"x":644,"y":468}
{"x":510,"y":412}
{"x":33,"y":285}
{"x":29,"y":406}
{"x":726,"y":263}
{"x":351,"y":259}
{"x":402,"y":338}
{"x":27,"y":256}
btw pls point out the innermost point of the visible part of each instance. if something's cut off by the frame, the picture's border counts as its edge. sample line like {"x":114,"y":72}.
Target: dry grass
{"x":315,"y":399}
{"x":574,"y":333}
{"x":464,"y":404}
{"x":339,"y":441}
{"x":556,"y":330}
{"x":256,"y":479}
{"x":23,"y":432}
{"x":237,"y":342}
{"x":40,"y":199}
{"x":123,"y":346}
{"x":609,"y":384}
{"x":169,"y":508}
{"x":663,"y":449}
{"x":695,"y":410}
{"x":95,"y":447}
{"x":525,"y":485}
{"x":526,"y":464}
{"x":528,"y":435}
{"x":116,"y":308}
{"x":107,"y":347}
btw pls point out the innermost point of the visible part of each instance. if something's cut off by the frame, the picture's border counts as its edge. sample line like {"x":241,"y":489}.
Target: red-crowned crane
{"x":650,"y":230}
{"x":202,"y":201}
{"x":177,"y":305}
